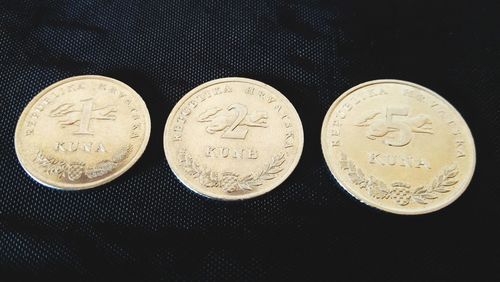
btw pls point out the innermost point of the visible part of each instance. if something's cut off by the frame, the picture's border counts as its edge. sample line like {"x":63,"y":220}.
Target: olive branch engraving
{"x":230,"y":181}
{"x":400,"y":192}
{"x":73,"y":171}
{"x":441,"y":184}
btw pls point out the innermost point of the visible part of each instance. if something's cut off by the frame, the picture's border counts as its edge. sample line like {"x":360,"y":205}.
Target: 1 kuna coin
{"x":82,"y":132}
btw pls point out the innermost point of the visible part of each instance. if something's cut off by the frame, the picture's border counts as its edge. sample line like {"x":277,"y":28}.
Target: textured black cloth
{"x":146,"y":226}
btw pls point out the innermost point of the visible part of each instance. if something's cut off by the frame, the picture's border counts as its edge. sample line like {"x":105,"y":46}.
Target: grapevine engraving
{"x":230,"y":181}
{"x":74,"y":171}
{"x":400,"y":192}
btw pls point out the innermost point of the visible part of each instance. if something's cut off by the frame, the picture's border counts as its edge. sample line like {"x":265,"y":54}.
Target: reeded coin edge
{"x":359,"y":196}
{"x":172,"y":164}
{"x":93,"y":184}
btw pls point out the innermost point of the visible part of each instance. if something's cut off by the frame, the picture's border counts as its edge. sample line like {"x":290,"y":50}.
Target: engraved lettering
{"x":73,"y":146}
{"x":76,"y":146}
{"x":100,"y":148}
{"x":340,"y":114}
{"x":335,"y":132}
{"x":186,"y":112}
{"x":289,"y":139}
{"x":192,"y":104}
{"x":250,"y":90}
{"x":372,"y":157}
{"x":253,"y":154}
{"x":210,"y":152}
{"x":178,"y":127}
{"x":222,"y":152}
{"x":238,"y":154}
{"x":460,"y":148}
{"x":60,"y":147}
{"x":87,"y":147}
{"x":101,"y":86}
{"x":406,"y":161}
{"x":376,"y":92}
{"x":267,"y":97}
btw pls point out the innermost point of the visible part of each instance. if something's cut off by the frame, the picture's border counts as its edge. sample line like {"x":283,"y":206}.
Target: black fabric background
{"x":145,"y":226}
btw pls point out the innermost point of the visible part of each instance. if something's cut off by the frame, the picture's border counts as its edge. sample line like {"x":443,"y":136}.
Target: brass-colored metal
{"x":82,"y":132}
{"x":233,"y":139}
{"x":398,"y":146}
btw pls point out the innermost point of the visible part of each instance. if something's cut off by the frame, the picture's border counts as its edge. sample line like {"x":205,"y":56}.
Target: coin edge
{"x":371,"y":203}
{"x":102,"y":181}
{"x":223,"y":80}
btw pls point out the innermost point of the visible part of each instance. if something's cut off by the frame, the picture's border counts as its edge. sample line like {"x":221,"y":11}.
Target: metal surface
{"x":233,"y":139}
{"x":82,"y":132}
{"x":398,"y":146}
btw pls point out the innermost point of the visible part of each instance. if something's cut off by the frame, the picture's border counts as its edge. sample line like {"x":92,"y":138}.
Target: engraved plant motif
{"x":230,"y":181}
{"x":441,"y":184}
{"x":75,"y":170}
{"x":400,"y":192}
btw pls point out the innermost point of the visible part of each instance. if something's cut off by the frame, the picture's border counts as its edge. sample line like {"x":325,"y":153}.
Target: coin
{"x":82,"y":132}
{"x":398,"y":146}
{"x":233,"y":138}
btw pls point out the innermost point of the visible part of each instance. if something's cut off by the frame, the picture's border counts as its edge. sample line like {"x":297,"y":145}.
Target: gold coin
{"x":233,"y":139}
{"x":82,"y":132}
{"x":398,"y":146}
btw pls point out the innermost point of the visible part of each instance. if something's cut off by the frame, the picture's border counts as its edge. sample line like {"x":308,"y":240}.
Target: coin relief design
{"x":82,"y":132}
{"x":398,"y":146}
{"x":233,"y":138}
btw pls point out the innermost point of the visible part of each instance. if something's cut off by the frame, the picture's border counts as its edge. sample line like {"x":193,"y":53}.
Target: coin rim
{"x":215,"y":196}
{"x":370,"y":202}
{"x":93,"y":184}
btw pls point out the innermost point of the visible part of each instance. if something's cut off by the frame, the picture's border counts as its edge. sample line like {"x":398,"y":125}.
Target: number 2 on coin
{"x":233,"y":132}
